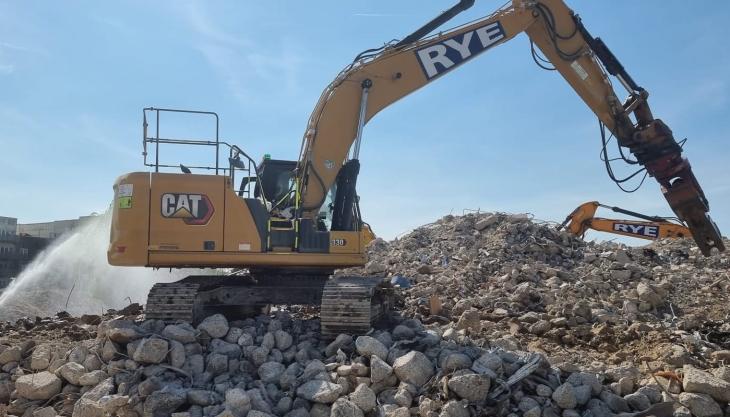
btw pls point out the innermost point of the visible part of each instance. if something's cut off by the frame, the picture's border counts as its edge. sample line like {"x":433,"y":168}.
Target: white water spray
{"x":73,"y":275}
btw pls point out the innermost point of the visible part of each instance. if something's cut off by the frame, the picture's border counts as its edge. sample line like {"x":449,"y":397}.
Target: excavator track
{"x":172,"y":301}
{"x":352,"y":305}
{"x":347,"y":304}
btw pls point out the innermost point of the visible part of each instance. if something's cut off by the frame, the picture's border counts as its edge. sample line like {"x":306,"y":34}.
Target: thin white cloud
{"x":12,"y":53}
{"x":12,"y":47}
{"x":377,"y":15}
{"x":7,"y":45}
{"x":712,"y":91}
{"x":116,"y":24}
{"x":201,"y":22}
{"x":698,"y":95}
{"x":240,"y":62}
{"x":13,"y":118}
{"x":91,"y":130}
{"x":5,"y":66}
{"x":227,"y":65}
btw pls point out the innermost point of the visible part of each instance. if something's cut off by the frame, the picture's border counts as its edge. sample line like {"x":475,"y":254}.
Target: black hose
{"x":609,"y":169}
{"x":321,"y":184}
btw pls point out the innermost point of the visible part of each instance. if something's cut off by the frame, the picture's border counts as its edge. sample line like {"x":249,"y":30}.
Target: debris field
{"x":498,"y":315}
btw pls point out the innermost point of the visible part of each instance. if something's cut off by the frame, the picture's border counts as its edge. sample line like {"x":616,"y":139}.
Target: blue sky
{"x":496,"y":134}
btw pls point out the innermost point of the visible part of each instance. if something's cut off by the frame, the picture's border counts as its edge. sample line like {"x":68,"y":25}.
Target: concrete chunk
{"x":700,"y":382}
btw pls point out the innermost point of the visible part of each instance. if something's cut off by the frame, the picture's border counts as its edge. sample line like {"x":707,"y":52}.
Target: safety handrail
{"x":157,"y":140}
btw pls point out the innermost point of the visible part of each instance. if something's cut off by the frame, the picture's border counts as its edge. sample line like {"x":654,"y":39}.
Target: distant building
{"x":51,"y":230}
{"x":20,"y":243}
{"x":8,"y":226}
{"x":9,"y":250}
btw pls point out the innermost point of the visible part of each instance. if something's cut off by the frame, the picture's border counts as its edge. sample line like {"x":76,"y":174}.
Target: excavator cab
{"x":277,"y":179}
{"x":238,"y":215}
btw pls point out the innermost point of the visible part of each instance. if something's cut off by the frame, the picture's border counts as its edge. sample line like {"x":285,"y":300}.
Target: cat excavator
{"x":288,"y":225}
{"x":650,"y":227}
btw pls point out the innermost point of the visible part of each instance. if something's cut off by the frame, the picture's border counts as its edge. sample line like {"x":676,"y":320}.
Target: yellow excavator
{"x":651,"y":228}
{"x":286,"y":226}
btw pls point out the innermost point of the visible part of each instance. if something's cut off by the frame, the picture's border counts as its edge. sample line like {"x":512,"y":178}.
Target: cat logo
{"x":194,"y":209}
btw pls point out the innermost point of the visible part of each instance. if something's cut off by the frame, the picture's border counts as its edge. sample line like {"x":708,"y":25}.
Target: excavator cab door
{"x":277,"y":179}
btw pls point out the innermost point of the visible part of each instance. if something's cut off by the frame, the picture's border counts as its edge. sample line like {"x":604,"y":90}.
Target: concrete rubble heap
{"x":504,"y":317}
{"x":520,"y":284}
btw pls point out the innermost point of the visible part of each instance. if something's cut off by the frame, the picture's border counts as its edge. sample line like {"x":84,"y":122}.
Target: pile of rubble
{"x":278,"y":366}
{"x":499,"y":316}
{"x":521,"y":284}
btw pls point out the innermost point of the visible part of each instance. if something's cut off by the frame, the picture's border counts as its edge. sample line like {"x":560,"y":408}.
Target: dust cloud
{"x":73,"y":275}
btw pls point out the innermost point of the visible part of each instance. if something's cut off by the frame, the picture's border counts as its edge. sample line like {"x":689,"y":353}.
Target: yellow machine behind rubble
{"x":654,"y":227}
{"x":286,"y":226}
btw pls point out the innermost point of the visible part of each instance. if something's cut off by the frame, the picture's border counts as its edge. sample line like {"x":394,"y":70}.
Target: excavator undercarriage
{"x":348,"y":304}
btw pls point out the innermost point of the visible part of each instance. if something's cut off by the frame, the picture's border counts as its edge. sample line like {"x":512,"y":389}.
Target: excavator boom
{"x":652,"y":228}
{"x":379,"y":77}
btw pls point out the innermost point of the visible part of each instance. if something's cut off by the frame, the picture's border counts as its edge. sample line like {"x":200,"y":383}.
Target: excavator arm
{"x":652,"y":228}
{"x":379,"y":77}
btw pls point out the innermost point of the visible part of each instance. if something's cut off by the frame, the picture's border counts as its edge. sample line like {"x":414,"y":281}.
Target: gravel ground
{"x":498,"y":316}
